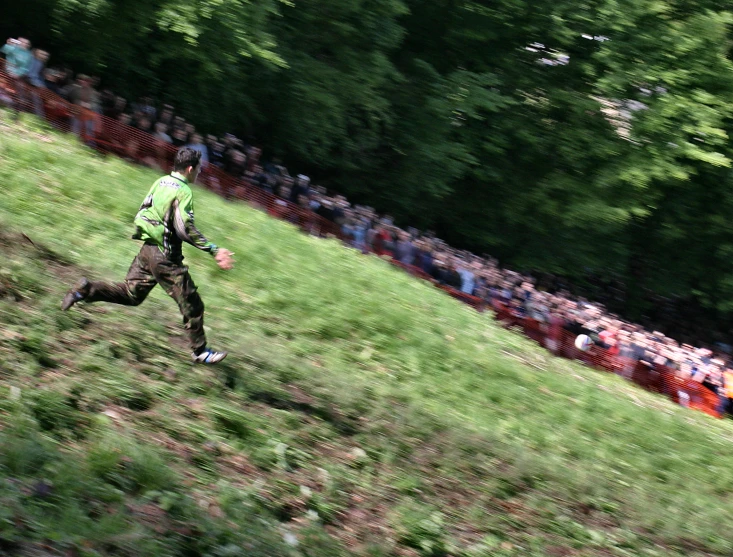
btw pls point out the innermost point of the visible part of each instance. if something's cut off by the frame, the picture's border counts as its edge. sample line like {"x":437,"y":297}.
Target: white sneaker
{"x":208,"y":356}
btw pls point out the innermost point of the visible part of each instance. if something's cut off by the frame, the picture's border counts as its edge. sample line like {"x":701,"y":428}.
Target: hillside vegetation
{"x":360,"y":412}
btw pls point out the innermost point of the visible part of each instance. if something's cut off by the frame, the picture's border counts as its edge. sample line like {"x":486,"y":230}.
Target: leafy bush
{"x":421,"y":527}
{"x":35,"y":344}
{"x":315,"y":542}
{"x":235,"y":422}
{"x":135,"y":396}
{"x":56,"y":413}
{"x":132,"y":467}
{"x":21,"y":455}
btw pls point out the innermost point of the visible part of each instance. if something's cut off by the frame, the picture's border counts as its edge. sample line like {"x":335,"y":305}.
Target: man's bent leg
{"x":133,"y":291}
{"x":179,"y":285}
{"x":192,"y":309}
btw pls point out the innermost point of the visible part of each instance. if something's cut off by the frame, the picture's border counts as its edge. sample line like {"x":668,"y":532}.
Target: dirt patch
{"x":24,"y":246}
{"x":294,"y":398}
{"x":23,"y":243}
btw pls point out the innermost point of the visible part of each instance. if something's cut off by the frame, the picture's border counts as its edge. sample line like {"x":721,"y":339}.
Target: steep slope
{"x":360,"y":410}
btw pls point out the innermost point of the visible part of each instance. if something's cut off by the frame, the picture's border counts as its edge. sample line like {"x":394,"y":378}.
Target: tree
{"x":194,"y":53}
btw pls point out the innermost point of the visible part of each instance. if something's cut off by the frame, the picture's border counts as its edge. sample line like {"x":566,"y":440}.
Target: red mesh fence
{"x":110,"y":136}
{"x":654,"y":378}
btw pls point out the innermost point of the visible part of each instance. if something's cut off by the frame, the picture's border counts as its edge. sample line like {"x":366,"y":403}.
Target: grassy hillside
{"x":360,"y":412}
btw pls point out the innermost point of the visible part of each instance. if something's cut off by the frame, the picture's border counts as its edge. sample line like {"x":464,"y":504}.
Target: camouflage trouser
{"x":149,"y":268}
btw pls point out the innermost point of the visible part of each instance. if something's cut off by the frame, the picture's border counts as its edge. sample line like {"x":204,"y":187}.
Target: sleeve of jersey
{"x":185,"y":228}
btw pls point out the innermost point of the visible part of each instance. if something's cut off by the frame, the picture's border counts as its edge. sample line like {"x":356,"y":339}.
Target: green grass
{"x":360,"y":412}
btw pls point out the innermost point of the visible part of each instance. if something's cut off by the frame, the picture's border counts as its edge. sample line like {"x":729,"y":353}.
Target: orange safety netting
{"x":110,"y":136}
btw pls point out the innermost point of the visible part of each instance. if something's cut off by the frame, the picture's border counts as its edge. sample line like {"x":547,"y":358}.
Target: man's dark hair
{"x":186,"y":157}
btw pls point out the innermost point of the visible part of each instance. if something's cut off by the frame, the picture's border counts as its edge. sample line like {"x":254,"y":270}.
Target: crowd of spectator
{"x":548,"y":302}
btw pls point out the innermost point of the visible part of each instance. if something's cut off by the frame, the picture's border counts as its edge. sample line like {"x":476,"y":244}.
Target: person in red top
{"x":554,"y":329}
{"x":6,"y":92}
{"x":728,"y":389}
{"x":608,"y":338}
{"x":382,"y":241}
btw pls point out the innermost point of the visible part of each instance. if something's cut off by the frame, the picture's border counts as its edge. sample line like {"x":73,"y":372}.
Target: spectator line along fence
{"x":110,"y":136}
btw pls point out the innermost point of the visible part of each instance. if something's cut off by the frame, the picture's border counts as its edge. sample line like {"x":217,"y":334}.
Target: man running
{"x":164,"y":222}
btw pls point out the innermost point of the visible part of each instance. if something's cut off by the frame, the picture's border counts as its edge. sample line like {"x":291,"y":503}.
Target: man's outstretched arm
{"x":187,"y":231}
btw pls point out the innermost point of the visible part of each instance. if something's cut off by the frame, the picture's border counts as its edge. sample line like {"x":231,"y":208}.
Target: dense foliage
{"x":576,"y":136}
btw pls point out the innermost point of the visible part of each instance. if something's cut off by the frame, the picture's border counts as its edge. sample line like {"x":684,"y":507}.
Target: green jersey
{"x":166,"y":218}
